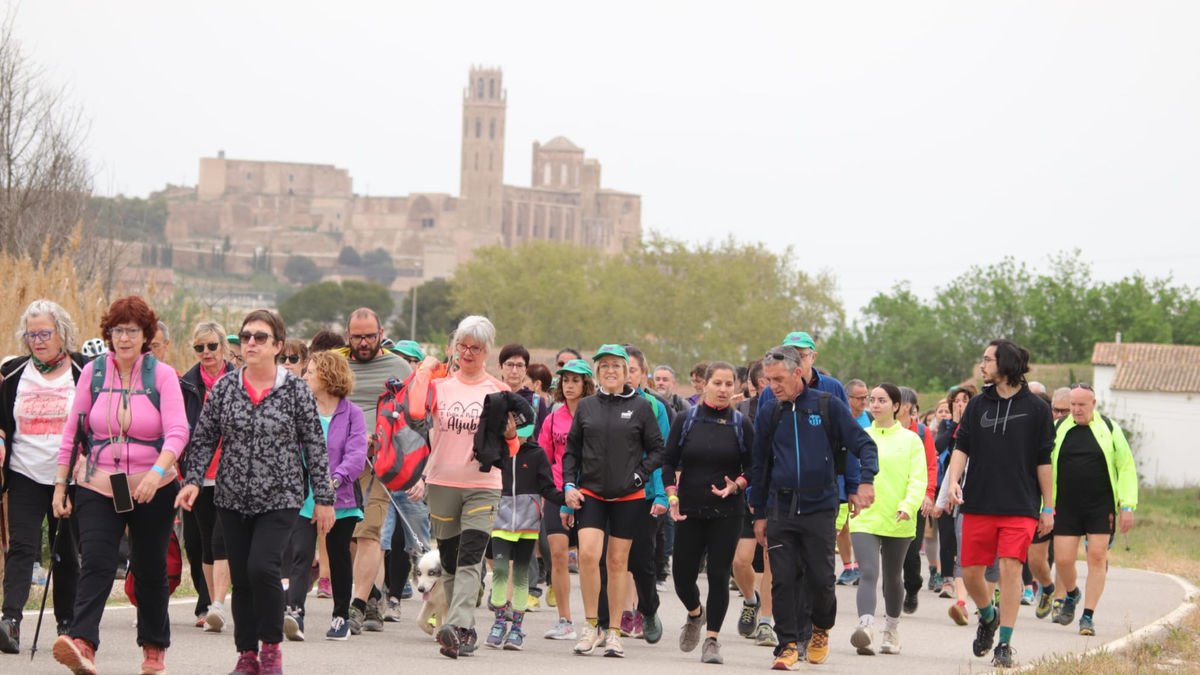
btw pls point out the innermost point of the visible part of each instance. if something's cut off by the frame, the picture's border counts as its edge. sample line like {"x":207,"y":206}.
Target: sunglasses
{"x":290,"y":358}
{"x":260,"y":337}
{"x":203,"y":346}
{"x":1082,"y":385}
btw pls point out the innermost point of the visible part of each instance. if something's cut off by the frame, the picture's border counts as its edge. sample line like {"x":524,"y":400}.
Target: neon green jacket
{"x":899,"y":485}
{"x":1122,"y":471}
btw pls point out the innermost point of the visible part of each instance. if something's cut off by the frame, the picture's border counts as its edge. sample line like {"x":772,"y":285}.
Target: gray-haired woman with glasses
{"x":35,"y":400}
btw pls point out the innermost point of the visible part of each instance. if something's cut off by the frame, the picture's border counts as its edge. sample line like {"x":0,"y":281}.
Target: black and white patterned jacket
{"x":264,"y":448}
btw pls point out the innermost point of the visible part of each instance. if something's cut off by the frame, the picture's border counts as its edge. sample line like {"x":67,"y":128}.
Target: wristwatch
{"x":335,"y":482}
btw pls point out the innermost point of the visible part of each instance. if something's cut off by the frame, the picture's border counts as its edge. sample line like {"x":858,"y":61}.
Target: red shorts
{"x":985,"y":538}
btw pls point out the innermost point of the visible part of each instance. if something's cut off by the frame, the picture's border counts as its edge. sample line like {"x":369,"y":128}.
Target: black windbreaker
{"x":614,"y":444}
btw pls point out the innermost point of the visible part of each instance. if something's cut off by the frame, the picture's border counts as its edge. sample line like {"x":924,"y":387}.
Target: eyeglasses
{"x":1062,"y":411}
{"x":38,"y":335}
{"x":987,"y":359}
{"x":260,"y":337}
{"x":210,"y":346}
{"x":156,"y":345}
{"x":561,"y":364}
{"x":473,"y":350}
{"x":290,"y":358}
{"x":365,"y":338}
{"x":858,"y":398}
{"x":1082,"y":385}
{"x":513,"y":365}
{"x":130,"y":331}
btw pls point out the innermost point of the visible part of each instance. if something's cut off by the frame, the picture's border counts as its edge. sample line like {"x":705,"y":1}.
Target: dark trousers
{"x":642,"y":564}
{"x":661,"y":526}
{"x":694,"y":538}
{"x":399,"y":563}
{"x":341,"y":569}
{"x":255,"y":546}
{"x":193,"y":545}
{"x":100,"y":530}
{"x":947,"y":544}
{"x":212,"y":538}
{"x":28,"y":506}
{"x":912,"y":561}
{"x":802,"y":552}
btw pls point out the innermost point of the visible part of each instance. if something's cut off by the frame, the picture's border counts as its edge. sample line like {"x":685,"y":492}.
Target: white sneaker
{"x":589,"y":639}
{"x":563,"y":630}
{"x":862,"y":639}
{"x":215,"y":621}
{"x":891,"y":641}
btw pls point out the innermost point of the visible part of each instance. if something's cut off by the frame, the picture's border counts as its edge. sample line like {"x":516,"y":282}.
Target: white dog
{"x":429,"y":585}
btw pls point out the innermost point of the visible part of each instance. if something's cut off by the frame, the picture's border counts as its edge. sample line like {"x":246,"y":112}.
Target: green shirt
{"x":370,"y":378}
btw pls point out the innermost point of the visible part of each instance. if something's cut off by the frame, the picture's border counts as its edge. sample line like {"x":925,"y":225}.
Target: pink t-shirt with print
{"x":456,"y":413}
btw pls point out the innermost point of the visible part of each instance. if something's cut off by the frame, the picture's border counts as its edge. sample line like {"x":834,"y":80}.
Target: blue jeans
{"x":417,"y":516}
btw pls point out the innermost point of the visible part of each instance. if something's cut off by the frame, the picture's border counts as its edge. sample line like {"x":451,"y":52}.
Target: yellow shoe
{"x":533,"y":604}
{"x":788,"y":659}
{"x":818,"y":645}
{"x":551,"y":601}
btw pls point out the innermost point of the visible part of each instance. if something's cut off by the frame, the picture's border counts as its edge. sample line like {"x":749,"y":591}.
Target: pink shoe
{"x":324,"y":588}
{"x":270,"y":659}
{"x":247,"y":664}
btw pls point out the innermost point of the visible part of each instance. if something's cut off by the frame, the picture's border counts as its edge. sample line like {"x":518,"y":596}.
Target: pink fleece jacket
{"x":168,"y":423}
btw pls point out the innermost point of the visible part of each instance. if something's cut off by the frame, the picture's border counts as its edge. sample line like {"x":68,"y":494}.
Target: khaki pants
{"x":461,"y":520}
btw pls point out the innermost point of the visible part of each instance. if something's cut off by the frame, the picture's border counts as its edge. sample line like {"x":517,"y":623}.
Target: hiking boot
{"x":1066,"y":613}
{"x":612,"y":644}
{"x":247,"y":664}
{"x":650,"y":627}
{"x":270,"y":659}
{"x":985,"y":634}
{"x":861,"y":639}
{"x":1003,"y":656}
{"x":515,"y":639}
{"x":764,"y":636}
{"x":467,"y":641}
{"x":214,"y":621}
{"x":818,"y":645}
{"x":10,"y":636}
{"x":958,"y":613}
{"x":356,"y":620}
{"x":788,"y":658}
{"x":373,"y":617}
{"x":748,"y":619}
{"x":76,"y":654}
{"x":447,"y":639}
{"x":589,"y":638}
{"x":563,"y":630}
{"x":1087,"y":625}
{"x":339,"y":629}
{"x":324,"y":588}
{"x":711,"y":653}
{"x":153,"y":660}
{"x":890,"y":644}
{"x":391,"y":614}
{"x":910,"y":601}
{"x":848,"y":577}
{"x":293,"y":625}
{"x":1045,"y":602}
{"x":689,"y":637}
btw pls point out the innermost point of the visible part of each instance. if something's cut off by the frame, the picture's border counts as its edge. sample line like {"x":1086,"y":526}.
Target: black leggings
{"x":694,"y":538}
{"x":193,"y":546}
{"x":28,"y":506}
{"x":341,"y":573}
{"x":255,"y":545}
{"x":947,"y":544}
{"x":212,"y":537}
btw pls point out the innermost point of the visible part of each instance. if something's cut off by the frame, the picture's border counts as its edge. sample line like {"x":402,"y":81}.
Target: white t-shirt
{"x":41,"y":413}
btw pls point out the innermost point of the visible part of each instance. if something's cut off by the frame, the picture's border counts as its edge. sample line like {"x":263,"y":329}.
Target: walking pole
{"x":80,"y":441}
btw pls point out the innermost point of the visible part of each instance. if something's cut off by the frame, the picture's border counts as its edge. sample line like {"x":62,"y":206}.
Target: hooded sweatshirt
{"x":1006,"y":440}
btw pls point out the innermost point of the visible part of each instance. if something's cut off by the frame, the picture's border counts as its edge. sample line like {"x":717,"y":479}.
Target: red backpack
{"x":401,"y":443}
{"x":174,"y":570}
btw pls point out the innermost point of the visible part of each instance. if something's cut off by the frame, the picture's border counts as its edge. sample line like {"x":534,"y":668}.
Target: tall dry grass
{"x":51,"y":279}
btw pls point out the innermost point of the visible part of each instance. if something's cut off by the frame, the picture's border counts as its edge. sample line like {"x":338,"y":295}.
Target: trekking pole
{"x":55,"y":537}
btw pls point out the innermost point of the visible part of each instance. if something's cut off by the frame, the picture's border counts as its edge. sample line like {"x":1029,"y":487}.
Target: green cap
{"x":800,"y":340}
{"x":578,"y":366}
{"x":410,"y":349}
{"x":611,"y":350}
{"x":233,"y":339}
{"x":525,"y":431}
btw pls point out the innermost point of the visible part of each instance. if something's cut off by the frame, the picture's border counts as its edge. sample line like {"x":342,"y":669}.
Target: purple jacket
{"x":347,"y":445}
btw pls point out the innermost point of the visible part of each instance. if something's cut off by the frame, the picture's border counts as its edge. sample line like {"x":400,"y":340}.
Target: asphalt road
{"x":931,"y":642}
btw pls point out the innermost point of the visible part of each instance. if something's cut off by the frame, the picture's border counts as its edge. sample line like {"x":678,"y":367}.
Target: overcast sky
{"x":884,"y":140}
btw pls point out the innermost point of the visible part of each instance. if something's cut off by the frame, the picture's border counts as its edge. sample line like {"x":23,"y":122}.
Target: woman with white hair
{"x":462,"y":496}
{"x":35,"y":399}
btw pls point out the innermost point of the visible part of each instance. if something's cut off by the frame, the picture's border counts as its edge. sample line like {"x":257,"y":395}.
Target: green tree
{"x":329,"y":302}
{"x":301,"y":269}
{"x":349,"y":257}
{"x":435,"y":313}
{"x":377,"y":266}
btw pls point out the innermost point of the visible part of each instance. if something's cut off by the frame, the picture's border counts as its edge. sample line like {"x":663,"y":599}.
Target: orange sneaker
{"x":788,"y":659}
{"x":818,"y":645}
{"x":153,"y":660}
{"x":76,"y":654}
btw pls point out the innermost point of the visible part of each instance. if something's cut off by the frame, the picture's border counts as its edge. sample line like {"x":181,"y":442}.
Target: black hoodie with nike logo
{"x":1006,"y":440}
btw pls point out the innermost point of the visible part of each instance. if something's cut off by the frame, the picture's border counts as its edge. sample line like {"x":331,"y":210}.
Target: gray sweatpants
{"x":869,"y":551}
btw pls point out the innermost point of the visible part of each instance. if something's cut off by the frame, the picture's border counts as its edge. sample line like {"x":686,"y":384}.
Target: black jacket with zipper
{"x":614,"y":445}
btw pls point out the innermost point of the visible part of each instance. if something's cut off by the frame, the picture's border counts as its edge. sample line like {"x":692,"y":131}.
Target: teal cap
{"x":577,"y":366}
{"x":233,"y":339}
{"x":800,"y":340}
{"x":611,"y":350}
{"x":410,"y":349}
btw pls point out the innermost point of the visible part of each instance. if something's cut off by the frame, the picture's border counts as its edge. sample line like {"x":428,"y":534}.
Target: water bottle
{"x":39,"y":574}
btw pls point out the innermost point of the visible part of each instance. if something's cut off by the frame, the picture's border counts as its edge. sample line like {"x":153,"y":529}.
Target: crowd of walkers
{"x":765,"y":480}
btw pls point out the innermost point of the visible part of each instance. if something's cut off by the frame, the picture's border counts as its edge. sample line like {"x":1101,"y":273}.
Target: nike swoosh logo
{"x":987,"y":423}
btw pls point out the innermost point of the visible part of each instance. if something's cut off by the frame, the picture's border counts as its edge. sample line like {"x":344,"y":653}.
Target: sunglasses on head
{"x":1082,"y":385}
{"x":260,"y":337}
{"x":290,"y":358}
{"x":210,"y":346}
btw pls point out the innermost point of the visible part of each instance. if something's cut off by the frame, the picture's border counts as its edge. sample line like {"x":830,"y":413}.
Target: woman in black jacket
{"x":35,"y":400}
{"x":710,"y":448}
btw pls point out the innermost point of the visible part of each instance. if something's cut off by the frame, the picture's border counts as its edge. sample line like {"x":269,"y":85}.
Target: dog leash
{"x":422,"y":545}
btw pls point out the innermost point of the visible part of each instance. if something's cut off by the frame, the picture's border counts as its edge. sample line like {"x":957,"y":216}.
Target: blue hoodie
{"x":803,"y":459}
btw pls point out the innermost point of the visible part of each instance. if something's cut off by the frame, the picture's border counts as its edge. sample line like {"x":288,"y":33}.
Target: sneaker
{"x":650,"y":627}
{"x":788,"y":658}
{"x":247,"y":664}
{"x":848,"y":576}
{"x":515,"y":640}
{"x":764,"y":636}
{"x":10,"y":636}
{"x":373,"y":617}
{"x":818,"y":645}
{"x":935,"y":580}
{"x":563,"y":630}
{"x":890,"y":644}
{"x":447,"y":639}
{"x":612,"y":645}
{"x":1003,"y":656}
{"x":63,"y":626}
{"x":76,"y":654}
{"x":1045,"y":602}
{"x":996,"y":596}
{"x":495,"y":638}
{"x":572,"y":562}
{"x":153,"y":660}
{"x":1027,"y":596}
{"x":339,"y":629}
{"x":689,"y":636}
{"x":711,"y":653}
{"x":910,"y":601}
{"x":985,"y":634}
{"x":406,"y":593}
{"x":660,"y":586}
{"x":861,"y":639}
{"x":626,"y":625}
{"x":270,"y":659}
{"x":392,"y":613}
{"x":200,"y":620}
{"x":551,"y":600}
{"x":467,"y":641}
{"x":214,"y":621}
{"x":958,"y":613}
{"x":1066,"y":613}
{"x":324,"y":588}
{"x":293,"y":625}
{"x":1087,"y":625}
{"x":534,"y":604}
{"x":748,"y":619}
{"x":947,"y":590}
{"x":356,"y":620}
{"x":589,"y":638}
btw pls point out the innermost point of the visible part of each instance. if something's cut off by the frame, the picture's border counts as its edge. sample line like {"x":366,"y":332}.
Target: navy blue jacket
{"x":803,"y":460}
